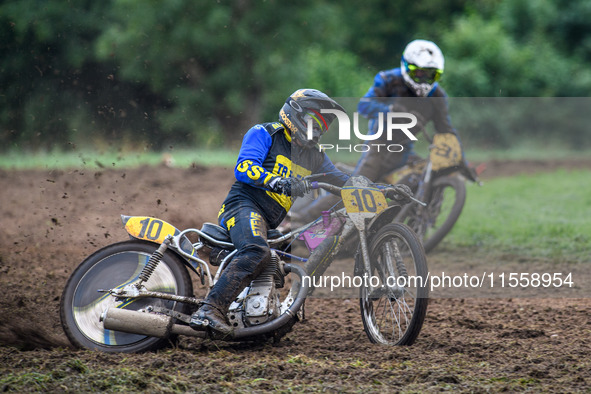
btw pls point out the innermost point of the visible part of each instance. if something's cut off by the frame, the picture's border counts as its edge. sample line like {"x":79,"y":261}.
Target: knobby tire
{"x":406,"y":312}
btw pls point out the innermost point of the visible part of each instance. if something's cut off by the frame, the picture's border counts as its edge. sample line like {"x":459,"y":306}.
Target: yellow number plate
{"x":363,"y":200}
{"x":149,"y":229}
{"x":447,"y":151}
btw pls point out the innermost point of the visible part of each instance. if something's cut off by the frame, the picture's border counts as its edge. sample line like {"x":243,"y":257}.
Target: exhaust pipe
{"x":149,"y":324}
{"x":162,"y":326}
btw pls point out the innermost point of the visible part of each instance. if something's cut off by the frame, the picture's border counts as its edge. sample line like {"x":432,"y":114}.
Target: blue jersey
{"x":390,"y":85}
{"x":267,"y":152}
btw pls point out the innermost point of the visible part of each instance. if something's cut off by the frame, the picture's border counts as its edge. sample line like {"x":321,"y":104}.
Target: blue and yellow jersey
{"x":390,"y":84}
{"x":267,"y":152}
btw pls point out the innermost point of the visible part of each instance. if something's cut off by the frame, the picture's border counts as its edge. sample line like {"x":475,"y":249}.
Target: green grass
{"x":521,"y":151}
{"x":96,"y":159}
{"x":184,"y":158}
{"x":545,"y":215}
{"x":529,"y":151}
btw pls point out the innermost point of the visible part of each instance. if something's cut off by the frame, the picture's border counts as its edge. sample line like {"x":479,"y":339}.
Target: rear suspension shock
{"x":153,"y":262}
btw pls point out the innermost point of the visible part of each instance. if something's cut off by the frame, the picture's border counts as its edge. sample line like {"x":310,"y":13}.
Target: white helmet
{"x":421,"y":65}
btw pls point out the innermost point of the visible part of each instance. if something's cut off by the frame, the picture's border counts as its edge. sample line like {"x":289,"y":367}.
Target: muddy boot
{"x":210,"y":318}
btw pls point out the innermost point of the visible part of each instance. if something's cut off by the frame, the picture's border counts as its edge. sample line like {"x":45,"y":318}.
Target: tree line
{"x":150,"y":74}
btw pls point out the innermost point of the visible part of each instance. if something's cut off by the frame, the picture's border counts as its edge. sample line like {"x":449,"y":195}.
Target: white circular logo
{"x":295,"y":106}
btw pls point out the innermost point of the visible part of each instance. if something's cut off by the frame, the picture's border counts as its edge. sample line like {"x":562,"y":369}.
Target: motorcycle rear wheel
{"x":394,"y":314}
{"x":115,"y":266}
{"x":433,"y":222}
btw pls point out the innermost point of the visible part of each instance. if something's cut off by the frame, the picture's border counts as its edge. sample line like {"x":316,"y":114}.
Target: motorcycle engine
{"x":260,"y":302}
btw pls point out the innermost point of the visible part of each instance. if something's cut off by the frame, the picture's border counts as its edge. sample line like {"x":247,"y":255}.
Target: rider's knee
{"x":254,"y":256}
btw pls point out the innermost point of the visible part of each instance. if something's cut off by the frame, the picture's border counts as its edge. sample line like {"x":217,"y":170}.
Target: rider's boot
{"x":210,"y":317}
{"x":240,"y":272}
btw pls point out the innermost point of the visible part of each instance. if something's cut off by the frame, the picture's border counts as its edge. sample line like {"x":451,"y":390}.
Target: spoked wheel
{"x":433,"y":222}
{"x":112,"y":267}
{"x":394,"y":305}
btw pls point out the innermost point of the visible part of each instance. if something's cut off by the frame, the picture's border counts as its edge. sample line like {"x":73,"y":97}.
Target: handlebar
{"x":326,"y":186}
{"x":472,"y":173}
{"x":336,"y":189}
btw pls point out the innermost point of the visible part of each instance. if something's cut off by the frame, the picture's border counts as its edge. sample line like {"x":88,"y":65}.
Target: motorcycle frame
{"x":162,"y":325}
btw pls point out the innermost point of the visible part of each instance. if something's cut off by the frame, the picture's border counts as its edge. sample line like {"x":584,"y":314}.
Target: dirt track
{"x":51,"y":220}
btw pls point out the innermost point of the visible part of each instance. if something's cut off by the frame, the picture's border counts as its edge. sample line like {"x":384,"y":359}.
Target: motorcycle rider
{"x":273,"y":159}
{"x":412,"y":88}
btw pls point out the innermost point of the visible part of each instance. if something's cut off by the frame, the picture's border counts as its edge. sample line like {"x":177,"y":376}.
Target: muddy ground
{"x":51,"y":220}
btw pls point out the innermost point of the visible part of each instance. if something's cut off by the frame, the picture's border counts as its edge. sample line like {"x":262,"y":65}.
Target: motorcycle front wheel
{"x":395,"y":294}
{"x":115,"y":266}
{"x":444,"y":206}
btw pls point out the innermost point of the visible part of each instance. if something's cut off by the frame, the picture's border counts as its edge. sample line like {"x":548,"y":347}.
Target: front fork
{"x":424,"y":189}
{"x":390,"y":259}
{"x":364,"y":251}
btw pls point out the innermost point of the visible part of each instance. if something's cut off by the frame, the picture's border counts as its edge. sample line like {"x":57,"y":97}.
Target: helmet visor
{"x":423,"y":74}
{"x":316,"y":125}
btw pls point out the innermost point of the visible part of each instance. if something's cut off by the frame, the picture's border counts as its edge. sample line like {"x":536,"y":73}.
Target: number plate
{"x":447,"y":151}
{"x":363,"y":203}
{"x":149,"y":229}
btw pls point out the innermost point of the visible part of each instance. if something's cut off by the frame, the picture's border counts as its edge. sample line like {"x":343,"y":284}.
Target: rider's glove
{"x":400,"y":193}
{"x":289,"y":186}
